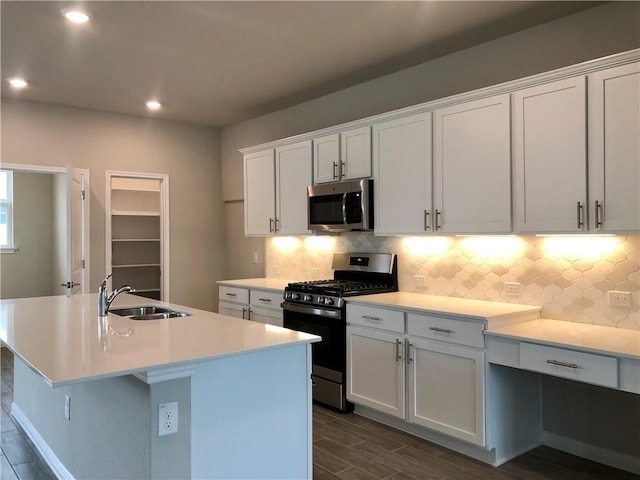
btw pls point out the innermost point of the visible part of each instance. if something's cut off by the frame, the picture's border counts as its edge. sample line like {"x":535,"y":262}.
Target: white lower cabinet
{"x":435,"y":383}
{"x":375,"y":370}
{"x":250,"y":304}
{"x":446,"y":389}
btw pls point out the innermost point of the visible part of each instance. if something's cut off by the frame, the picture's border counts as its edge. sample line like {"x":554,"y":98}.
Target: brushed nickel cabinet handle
{"x":231,"y":294}
{"x":369,"y":317}
{"x":438,"y":212}
{"x":580,"y":215}
{"x":440,"y":330}
{"x":343,"y":167}
{"x":409,"y":357}
{"x":562,"y":364}
{"x":270,"y":225}
{"x":426,"y":220}
{"x":264,"y":299}
{"x":598,"y":214}
{"x":277,"y":225}
{"x":335,"y":170}
{"x":398,"y":350}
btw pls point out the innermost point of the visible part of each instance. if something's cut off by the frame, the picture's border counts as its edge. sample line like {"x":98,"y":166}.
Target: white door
{"x":402,"y":173}
{"x":76,"y":231}
{"x":375,"y":370}
{"x":472,"y":167}
{"x":259,"y":193}
{"x":446,"y":389}
{"x":293,"y":176}
{"x":550,"y":157}
{"x":614,"y":149}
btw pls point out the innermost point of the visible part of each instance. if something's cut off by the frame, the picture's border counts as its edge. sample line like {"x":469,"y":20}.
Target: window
{"x":6,"y":210}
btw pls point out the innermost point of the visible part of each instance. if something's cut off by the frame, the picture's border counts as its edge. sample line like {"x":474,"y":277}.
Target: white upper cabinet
{"x":342,"y":156}
{"x":550,"y":157}
{"x":402,"y":173}
{"x":275,"y":190}
{"x":614,"y":149}
{"x":259,"y":193}
{"x":293,"y":176}
{"x":472,"y":167}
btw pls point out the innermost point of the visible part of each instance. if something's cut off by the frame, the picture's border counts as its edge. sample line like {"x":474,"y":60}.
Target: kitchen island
{"x":87,"y":391}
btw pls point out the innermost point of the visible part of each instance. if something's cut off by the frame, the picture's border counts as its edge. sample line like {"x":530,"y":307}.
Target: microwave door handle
{"x":344,"y":208}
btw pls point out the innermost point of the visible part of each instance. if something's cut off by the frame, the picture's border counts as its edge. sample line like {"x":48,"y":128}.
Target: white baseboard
{"x":52,"y":460}
{"x":605,"y":456}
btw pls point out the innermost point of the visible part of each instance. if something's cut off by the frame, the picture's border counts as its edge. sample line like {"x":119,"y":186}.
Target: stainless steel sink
{"x":148,"y":312}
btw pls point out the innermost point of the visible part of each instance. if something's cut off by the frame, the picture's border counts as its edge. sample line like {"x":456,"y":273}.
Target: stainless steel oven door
{"x":329,"y":355}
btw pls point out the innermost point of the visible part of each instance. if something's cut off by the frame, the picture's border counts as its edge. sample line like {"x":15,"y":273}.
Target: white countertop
{"x":60,"y":337}
{"x":421,"y":303}
{"x":274,"y":284}
{"x":583,"y":336}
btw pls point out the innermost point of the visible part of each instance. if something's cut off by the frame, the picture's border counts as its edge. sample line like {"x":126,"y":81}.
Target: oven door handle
{"x":322,"y":312}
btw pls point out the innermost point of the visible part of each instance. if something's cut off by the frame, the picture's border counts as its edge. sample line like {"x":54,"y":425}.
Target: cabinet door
{"x":326,"y":159}
{"x":259,"y":193}
{"x":402,"y":173}
{"x":355,"y":153}
{"x":232,"y":309}
{"x":293,"y":176}
{"x":446,"y":389}
{"x":472,"y":167}
{"x":271,"y":316}
{"x":550,"y":157}
{"x":614,"y":148}
{"x":375,"y":370}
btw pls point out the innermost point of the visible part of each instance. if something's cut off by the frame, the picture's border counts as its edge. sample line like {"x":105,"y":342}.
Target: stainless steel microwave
{"x":341,"y":206}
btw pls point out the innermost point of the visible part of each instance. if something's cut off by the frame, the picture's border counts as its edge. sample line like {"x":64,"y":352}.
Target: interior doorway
{"x":51,"y":233}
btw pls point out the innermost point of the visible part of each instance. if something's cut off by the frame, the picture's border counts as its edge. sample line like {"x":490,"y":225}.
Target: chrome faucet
{"x":105,"y":299}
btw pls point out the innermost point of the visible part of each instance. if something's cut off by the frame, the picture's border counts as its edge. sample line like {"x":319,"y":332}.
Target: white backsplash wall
{"x":569,"y":276}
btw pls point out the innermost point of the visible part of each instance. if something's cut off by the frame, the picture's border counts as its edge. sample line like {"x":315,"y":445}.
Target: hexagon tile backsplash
{"x":569,"y":276}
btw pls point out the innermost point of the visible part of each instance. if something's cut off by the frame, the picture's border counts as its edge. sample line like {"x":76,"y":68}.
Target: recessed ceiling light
{"x":153,"y":105}
{"x":74,"y":15}
{"x":18,"y":82}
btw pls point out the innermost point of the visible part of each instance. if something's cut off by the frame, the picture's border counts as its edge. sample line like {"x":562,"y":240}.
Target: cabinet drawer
{"x":391,"y":320}
{"x":234,"y":294}
{"x":579,"y":366}
{"x":266,"y":299}
{"x":446,"y":329}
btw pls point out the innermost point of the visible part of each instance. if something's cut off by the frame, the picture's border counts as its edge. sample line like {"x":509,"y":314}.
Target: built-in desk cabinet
{"x":275,"y":190}
{"x":342,"y":156}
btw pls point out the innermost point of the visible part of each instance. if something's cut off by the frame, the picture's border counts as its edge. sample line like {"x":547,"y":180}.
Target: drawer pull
{"x":231,"y":295}
{"x":369,"y":317}
{"x":562,"y":364}
{"x":264,"y":299}
{"x":440,"y":330}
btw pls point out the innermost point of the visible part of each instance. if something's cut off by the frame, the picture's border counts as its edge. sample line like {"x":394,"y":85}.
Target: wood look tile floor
{"x":345,"y":446}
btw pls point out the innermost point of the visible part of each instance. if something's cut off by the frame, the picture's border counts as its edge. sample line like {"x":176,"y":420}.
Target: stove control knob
{"x":320,"y":300}
{"x":328,"y":301}
{"x":308,"y":298}
{"x":295,"y":296}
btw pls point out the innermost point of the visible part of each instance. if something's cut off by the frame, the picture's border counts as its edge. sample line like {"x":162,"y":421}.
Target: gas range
{"x":318,"y":307}
{"x":331,"y":292}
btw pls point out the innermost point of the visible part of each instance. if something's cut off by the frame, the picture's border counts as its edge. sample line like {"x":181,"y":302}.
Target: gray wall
{"x":39,"y":134}
{"x":28,"y":271}
{"x":594,"y":33}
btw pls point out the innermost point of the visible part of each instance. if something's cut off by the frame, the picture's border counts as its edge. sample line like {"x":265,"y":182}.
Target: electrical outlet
{"x":255,"y":257}
{"x":419,"y":281}
{"x":67,"y":407}
{"x":619,"y":299}
{"x":167,"y":418}
{"x":512,"y":289}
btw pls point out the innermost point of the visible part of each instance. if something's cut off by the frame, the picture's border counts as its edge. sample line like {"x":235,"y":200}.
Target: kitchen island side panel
{"x":251,"y":416}
{"x":107,"y":435}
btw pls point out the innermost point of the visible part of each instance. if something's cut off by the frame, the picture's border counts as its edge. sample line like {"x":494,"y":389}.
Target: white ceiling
{"x":219,"y":63}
